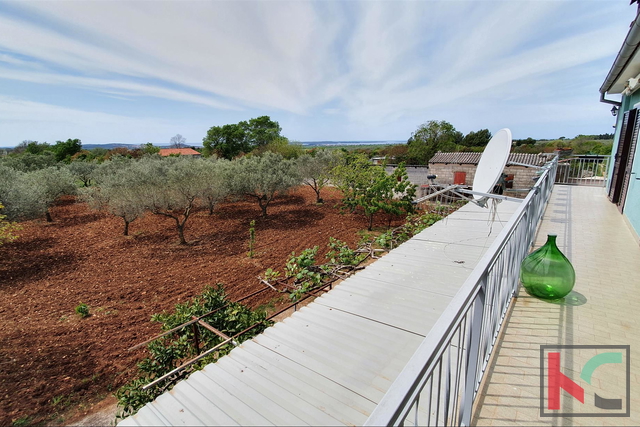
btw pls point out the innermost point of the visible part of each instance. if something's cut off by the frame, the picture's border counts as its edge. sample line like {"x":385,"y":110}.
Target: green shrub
{"x":252,"y":237}
{"x":82,"y":310}
{"x":168,"y":352}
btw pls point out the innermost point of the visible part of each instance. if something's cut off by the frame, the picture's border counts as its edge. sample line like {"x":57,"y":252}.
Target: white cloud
{"x":46,"y":122}
{"x":262,"y":54}
{"x":116,"y":87}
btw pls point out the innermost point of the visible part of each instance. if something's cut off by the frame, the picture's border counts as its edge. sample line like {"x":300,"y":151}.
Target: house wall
{"x":417,"y":174}
{"x":522,"y":177}
{"x":616,"y":138}
{"x":632,"y":203}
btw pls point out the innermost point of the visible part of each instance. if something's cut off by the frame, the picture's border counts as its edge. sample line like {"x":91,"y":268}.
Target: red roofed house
{"x":165,"y":152}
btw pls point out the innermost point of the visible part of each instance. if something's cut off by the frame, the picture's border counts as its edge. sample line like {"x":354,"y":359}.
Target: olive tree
{"x":105,"y":169}
{"x":214,"y":176}
{"x":20,"y":201}
{"x":119,"y":193}
{"x":28,"y":162}
{"x":369,"y":188}
{"x":51,"y":183}
{"x":171,"y":188}
{"x":82,"y":170}
{"x":262,"y":177}
{"x":314,"y":169}
{"x":28,"y":195}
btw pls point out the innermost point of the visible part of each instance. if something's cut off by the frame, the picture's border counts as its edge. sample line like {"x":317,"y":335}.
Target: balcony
{"x":456,"y":377}
{"x":602,"y":310}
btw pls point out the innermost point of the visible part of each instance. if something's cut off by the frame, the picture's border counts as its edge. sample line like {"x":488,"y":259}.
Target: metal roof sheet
{"x":468,"y":158}
{"x":333,"y":360}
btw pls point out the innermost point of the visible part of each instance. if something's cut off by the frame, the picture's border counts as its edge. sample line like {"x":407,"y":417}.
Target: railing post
{"x":473,"y":355}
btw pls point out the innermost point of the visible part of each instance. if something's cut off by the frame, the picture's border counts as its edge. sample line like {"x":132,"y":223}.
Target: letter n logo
{"x":557,"y":380}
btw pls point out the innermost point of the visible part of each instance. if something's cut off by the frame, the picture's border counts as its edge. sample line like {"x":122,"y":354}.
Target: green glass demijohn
{"x":546,"y":273}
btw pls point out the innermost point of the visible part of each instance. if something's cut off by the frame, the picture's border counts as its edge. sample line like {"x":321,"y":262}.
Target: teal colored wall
{"x":616,"y":138}
{"x":632,"y":203}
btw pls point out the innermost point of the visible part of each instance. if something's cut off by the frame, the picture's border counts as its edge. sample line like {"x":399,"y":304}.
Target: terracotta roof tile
{"x":182,"y":151}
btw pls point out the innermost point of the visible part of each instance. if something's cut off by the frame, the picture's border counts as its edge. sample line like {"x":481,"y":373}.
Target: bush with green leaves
{"x":82,"y":310}
{"x":302,"y":275}
{"x":252,"y":238}
{"x":7,"y":228}
{"x":412,"y":226}
{"x":303,"y":271}
{"x":281,"y":145}
{"x":63,"y":150}
{"x":369,"y":188}
{"x":28,"y":162}
{"x":167,"y":353}
{"x":341,"y":253}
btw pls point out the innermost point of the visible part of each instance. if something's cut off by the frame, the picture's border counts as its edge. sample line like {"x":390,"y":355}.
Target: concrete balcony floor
{"x":603,"y":309}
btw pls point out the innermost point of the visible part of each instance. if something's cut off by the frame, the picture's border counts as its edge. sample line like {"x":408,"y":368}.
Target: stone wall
{"x":417,"y":174}
{"x":522,"y":177}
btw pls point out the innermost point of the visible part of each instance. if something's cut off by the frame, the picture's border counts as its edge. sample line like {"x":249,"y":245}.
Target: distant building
{"x":563,"y":152}
{"x":378,"y":160}
{"x":166,"y":152}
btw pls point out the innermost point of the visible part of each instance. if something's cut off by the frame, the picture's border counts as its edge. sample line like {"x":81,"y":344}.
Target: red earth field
{"x":53,"y":364}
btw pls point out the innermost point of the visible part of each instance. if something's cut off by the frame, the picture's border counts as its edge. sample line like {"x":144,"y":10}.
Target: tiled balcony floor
{"x":604,"y":309}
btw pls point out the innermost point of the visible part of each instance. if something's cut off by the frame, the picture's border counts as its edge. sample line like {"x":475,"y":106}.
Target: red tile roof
{"x":182,"y":151}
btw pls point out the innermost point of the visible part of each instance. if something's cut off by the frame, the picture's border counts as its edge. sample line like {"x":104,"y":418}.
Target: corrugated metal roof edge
{"x":625,"y":54}
{"x":473,"y":158}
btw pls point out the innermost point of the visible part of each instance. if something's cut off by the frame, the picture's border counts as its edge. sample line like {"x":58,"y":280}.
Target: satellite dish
{"x":492,"y":163}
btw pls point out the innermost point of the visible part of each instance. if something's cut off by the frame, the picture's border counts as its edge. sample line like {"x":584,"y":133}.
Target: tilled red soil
{"x":52,"y":361}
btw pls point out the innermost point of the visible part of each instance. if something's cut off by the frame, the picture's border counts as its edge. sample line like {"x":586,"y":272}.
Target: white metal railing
{"x":439,"y":383}
{"x":588,"y":170}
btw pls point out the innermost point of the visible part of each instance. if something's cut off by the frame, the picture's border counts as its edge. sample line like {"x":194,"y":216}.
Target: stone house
{"x":460,"y":168}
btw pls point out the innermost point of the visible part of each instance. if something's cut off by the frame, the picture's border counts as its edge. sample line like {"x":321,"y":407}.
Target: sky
{"x":144,"y":71}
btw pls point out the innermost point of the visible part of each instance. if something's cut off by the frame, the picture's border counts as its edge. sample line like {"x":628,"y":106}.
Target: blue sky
{"x":132,"y":72}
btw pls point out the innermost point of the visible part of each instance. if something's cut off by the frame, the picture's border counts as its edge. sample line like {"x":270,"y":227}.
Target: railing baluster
{"x":475,"y":315}
{"x":430,"y":398}
{"x":472,"y":355}
{"x":439,"y":388}
{"x":447,"y":388}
